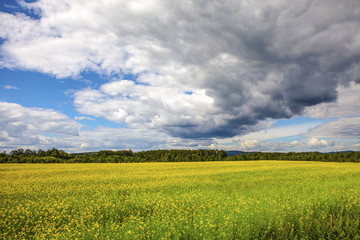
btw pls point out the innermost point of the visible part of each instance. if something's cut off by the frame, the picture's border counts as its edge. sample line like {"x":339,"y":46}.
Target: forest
{"x":126,"y":156}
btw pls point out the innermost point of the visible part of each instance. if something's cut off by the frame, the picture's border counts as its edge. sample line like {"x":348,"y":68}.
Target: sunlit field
{"x":200,"y":200}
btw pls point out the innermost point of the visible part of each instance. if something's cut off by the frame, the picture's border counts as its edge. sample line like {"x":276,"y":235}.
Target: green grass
{"x":201,"y":200}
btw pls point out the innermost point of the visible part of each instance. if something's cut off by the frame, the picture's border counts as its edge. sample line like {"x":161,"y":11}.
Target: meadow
{"x":197,"y":200}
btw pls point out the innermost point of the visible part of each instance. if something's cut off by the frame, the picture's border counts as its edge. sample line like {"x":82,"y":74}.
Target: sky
{"x":247,"y":75}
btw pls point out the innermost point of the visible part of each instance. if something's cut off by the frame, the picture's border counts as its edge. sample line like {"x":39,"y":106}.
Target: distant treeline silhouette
{"x":127,"y":156}
{"x":299,"y":156}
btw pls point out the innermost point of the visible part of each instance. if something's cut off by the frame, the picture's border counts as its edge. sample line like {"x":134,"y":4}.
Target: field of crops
{"x":201,"y":200}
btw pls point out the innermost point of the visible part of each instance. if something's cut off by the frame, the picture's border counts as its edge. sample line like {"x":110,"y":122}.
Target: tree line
{"x":126,"y":156}
{"x":108,"y":156}
{"x":350,"y":156}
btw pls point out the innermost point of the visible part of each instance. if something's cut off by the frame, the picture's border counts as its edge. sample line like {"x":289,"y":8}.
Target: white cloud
{"x":203,"y":70}
{"x":83,"y":118}
{"x":9,"y":87}
{"x":343,"y":128}
{"x":22,"y":127}
{"x":356,"y":146}
{"x":154,"y":107}
{"x":302,"y":145}
{"x":282,"y":131}
{"x":249,"y":145}
{"x":315,"y":143}
{"x":29,"y":126}
{"x":135,"y":139}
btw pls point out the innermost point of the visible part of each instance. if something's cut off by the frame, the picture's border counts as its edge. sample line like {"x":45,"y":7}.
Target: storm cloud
{"x":202,"y":69}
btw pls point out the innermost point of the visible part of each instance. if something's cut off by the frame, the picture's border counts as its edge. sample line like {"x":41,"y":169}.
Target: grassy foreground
{"x":201,"y":200}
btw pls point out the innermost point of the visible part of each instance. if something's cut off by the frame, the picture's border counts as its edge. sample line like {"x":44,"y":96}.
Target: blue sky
{"x":245,"y":75}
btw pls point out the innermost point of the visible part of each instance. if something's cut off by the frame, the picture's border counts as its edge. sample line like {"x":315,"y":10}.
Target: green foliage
{"x":107,"y":156}
{"x":120,"y":156}
{"x":299,"y":156}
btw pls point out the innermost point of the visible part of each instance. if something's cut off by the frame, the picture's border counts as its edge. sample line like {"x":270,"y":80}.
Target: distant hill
{"x":232,"y":153}
{"x":342,"y":152}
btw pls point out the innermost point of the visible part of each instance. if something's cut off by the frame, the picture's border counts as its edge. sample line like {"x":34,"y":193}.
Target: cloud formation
{"x":9,"y":87}
{"x":346,"y":105}
{"x":203,"y":69}
{"x":343,"y":128}
{"x":309,"y":144}
{"x":21,"y":126}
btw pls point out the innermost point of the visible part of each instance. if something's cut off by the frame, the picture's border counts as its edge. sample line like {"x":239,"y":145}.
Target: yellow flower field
{"x":198,"y":200}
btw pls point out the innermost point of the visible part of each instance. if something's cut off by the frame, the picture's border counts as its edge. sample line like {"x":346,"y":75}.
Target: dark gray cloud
{"x":242,"y":62}
{"x":347,"y":104}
